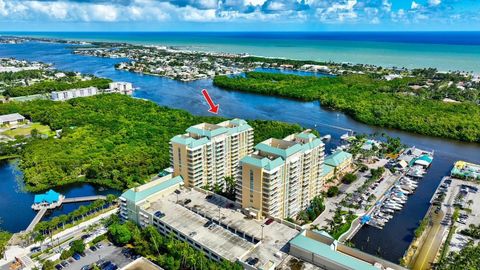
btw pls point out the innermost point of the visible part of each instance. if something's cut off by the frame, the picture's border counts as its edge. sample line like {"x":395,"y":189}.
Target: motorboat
{"x":344,"y":137}
{"x":387,"y":210}
{"x":327,"y":137}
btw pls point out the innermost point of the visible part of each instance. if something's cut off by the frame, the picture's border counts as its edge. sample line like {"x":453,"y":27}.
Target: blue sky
{"x":239,"y":15}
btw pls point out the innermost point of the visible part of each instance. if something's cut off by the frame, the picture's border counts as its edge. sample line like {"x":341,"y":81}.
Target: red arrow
{"x":213,"y":107}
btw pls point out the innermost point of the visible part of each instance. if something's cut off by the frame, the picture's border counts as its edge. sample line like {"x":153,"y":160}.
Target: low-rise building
{"x":328,"y":176}
{"x":465,"y":170}
{"x":133,"y":199}
{"x":282,"y":176}
{"x":11,"y":119}
{"x":340,"y":161}
{"x":320,"y":249}
{"x":73,"y":93}
{"x":124,"y":88}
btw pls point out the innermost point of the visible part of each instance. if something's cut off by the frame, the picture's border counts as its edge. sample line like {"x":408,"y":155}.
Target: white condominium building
{"x":282,"y":176}
{"x":208,"y":153}
{"x":74,"y":93}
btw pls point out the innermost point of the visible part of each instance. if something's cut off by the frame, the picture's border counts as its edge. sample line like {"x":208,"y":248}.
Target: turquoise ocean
{"x":445,"y":51}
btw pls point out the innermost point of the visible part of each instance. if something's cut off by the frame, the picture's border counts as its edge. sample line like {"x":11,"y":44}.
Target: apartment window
{"x":251,"y":180}
{"x":179,"y":157}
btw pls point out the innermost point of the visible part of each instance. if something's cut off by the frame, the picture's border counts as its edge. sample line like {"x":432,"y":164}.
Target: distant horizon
{"x":243,"y":15}
{"x":244,"y":31}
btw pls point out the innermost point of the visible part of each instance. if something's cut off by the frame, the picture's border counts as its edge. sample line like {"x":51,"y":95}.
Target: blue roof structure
{"x":49,"y":197}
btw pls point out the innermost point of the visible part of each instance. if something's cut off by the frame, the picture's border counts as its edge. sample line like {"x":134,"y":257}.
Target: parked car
{"x":93,"y":248}
{"x":58,"y":267}
{"x":207,"y":224}
{"x":35,"y":249}
{"x":76,"y":256}
{"x":269,"y":221}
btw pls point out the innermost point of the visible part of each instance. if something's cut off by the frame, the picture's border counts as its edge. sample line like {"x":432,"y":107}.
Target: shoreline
{"x":87,"y":41}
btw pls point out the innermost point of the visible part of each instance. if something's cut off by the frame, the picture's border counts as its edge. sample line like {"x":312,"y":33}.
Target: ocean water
{"x":442,"y":50}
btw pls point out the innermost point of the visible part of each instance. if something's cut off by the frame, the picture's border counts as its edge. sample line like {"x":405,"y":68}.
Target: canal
{"x":390,"y":243}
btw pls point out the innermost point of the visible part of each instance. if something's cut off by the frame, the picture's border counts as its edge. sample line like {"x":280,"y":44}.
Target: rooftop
{"x":337,"y":158}
{"x":11,"y":117}
{"x":201,"y":134}
{"x":326,"y":169}
{"x":328,"y":251}
{"x":263,"y":162}
{"x":142,"y":264}
{"x":49,"y":197}
{"x":191,"y":218}
{"x":139,"y":194}
{"x":465,"y":169}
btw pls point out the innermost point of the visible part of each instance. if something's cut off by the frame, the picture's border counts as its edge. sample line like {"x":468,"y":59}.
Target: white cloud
{"x":415,"y":5}
{"x":291,"y":11}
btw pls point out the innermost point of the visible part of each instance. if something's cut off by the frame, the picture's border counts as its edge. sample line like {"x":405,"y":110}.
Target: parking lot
{"x":107,"y":252}
{"x":466,"y":196}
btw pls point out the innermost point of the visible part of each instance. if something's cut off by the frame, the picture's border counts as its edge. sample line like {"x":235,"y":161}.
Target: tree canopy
{"x":373,"y":101}
{"x":112,"y":140}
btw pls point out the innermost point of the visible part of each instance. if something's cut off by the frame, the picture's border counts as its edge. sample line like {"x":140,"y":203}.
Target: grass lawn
{"x":27,"y":129}
{"x":342,"y":228}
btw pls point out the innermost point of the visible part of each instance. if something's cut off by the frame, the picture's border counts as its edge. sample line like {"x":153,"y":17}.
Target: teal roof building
{"x":133,"y":199}
{"x":48,"y":197}
{"x":320,"y":249}
{"x":338,"y":158}
{"x":138,"y":195}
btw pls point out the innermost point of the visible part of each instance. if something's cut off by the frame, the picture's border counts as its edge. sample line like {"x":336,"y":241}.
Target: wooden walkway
{"x":42,"y":212}
{"x":84,"y":199}
{"x":36,"y":219}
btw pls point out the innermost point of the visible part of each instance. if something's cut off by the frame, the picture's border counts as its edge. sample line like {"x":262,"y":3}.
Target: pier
{"x":51,"y":200}
{"x":36,"y":219}
{"x":84,"y":199}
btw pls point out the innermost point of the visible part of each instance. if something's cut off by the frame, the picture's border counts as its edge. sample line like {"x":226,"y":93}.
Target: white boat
{"x":398,"y":188}
{"x":344,"y":136}
{"x":409,"y":184}
{"x":393,"y":206}
{"x":387,"y":210}
{"x":392,"y":202}
{"x":397,"y":200}
{"x":327,"y":137}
